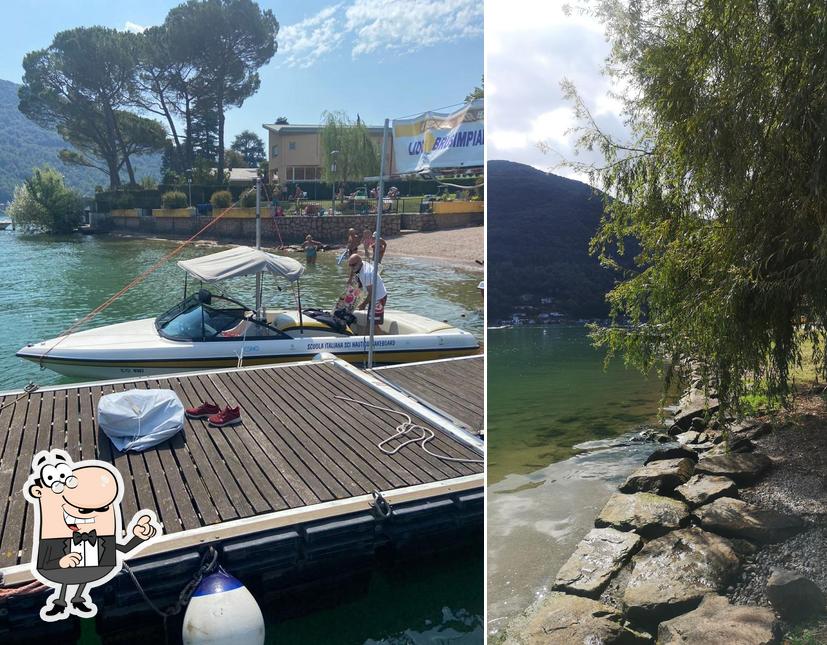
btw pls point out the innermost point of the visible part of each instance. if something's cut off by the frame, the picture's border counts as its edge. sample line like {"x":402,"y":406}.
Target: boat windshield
{"x":206,"y":317}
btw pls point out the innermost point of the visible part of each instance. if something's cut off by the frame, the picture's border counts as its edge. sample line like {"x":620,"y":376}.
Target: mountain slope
{"x":25,"y":145}
{"x":538,"y":227}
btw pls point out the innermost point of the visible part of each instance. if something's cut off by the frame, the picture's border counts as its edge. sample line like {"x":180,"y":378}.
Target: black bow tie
{"x":91,"y":537}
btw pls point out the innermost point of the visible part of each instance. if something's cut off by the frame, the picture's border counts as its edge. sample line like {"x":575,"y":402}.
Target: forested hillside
{"x":24,"y":145}
{"x":539,"y":226}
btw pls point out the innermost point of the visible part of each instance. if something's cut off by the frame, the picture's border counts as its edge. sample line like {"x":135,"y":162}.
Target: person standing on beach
{"x":311,"y":248}
{"x":363,"y":273}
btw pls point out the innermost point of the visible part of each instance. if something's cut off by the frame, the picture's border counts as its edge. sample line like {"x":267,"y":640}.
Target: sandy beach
{"x":461,"y":247}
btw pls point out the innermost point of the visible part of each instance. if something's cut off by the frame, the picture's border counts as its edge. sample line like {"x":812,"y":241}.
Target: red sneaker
{"x":202,"y":411}
{"x":227,"y":417}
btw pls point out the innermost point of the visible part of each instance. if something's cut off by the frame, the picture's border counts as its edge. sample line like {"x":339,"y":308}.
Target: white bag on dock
{"x":139,"y":419}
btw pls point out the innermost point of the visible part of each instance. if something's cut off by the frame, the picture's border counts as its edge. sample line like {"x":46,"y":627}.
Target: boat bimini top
{"x":239,"y":261}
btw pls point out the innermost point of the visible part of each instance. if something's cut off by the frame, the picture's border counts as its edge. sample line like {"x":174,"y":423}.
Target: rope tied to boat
{"x":134,"y":283}
{"x":208,"y":564}
{"x":423,"y":435}
{"x":27,"y":391}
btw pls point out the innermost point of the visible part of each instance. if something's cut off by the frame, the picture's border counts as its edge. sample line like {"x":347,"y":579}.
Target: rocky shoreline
{"x":721,"y":538}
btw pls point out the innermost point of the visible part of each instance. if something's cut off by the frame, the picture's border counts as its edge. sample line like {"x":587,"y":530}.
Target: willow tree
{"x":355,"y":155}
{"x":723,"y":183}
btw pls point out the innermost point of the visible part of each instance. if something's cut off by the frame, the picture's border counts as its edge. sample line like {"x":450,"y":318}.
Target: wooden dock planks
{"x":298,"y":445}
{"x":453,"y":386}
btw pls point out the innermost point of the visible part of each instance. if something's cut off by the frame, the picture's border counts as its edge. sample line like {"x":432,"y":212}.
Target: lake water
{"x":49,"y":283}
{"x":547,"y":392}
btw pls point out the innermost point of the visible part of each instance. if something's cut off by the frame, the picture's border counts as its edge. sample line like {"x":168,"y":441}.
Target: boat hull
{"x":135,"y":349}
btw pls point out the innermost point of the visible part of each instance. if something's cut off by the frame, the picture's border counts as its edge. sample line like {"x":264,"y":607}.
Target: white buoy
{"x":222,"y":612}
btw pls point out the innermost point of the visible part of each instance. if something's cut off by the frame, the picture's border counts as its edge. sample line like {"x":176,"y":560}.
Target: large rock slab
{"x":750,"y":429}
{"x":694,"y":405}
{"x":702,"y":489}
{"x":690,"y":436}
{"x":735,"y":445}
{"x":671,"y":574}
{"x":716,"y":621}
{"x":596,"y":559}
{"x":564,"y":620}
{"x":676,"y":452}
{"x":648,"y":514}
{"x":794,"y":596}
{"x":741,"y":468}
{"x":661,"y":476}
{"x":738,"y":519}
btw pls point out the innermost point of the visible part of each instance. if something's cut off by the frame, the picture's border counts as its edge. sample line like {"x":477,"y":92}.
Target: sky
{"x":531,"y":45}
{"x":375,"y":58}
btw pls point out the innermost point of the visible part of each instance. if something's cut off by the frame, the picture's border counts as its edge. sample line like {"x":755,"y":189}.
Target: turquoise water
{"x":547,"y":393}
{"x":49,"y":283}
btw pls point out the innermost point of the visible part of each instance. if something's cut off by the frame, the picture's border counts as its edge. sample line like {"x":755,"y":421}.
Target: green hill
{"x":25,"y":145}
{"x":538,"y":228}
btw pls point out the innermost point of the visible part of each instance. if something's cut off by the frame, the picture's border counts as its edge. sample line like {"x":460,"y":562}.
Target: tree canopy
{"x":45,"y":202}
{"x":97,"y":86}
{"x":250,"y":146}
{"x":355,"y":155}
{"x":477,"y":93}
{"x":79,"y":85}
{"x":723,"y":185}
{"x":233,"y":39}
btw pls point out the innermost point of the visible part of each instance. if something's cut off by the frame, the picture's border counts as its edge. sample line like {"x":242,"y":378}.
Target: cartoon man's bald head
{"x":74,"y":498}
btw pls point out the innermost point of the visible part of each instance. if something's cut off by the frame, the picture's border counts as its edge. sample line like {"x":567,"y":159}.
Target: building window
{"x":304,"y":173}
{"x":291,"y":145}
{"x":275,"y":151}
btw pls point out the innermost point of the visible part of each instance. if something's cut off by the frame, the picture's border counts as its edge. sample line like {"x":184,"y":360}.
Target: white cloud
{"x":370,"y":26}
{"x":532,"y":45}
{"x":400,"y":25}
{"x":134,"y":27}
{"x":307,"y":41}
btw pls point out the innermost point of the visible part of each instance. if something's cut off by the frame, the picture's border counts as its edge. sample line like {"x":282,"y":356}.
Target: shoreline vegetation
{"x":719,"y":537}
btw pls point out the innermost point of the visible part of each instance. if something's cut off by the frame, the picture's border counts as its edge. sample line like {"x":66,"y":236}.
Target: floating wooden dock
{"x":454,"y":388}
{"x":293,"y":484}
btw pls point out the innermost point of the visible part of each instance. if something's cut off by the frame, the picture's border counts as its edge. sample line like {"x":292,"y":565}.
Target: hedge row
{"x":108,"y":200}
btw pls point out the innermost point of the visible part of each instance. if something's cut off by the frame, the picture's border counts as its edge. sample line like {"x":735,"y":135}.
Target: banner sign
{"x":437,"y":140}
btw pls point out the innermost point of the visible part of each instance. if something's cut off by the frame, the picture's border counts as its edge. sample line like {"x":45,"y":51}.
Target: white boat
{"x":208,"y":331}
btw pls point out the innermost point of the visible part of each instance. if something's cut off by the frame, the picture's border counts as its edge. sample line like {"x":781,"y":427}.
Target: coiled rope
{"x":424,"y":436}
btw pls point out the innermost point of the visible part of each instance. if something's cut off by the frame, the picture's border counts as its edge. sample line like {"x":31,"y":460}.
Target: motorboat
{"x":212,"y":331}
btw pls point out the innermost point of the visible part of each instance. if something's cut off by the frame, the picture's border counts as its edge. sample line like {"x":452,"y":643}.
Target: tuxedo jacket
{"x":51,"y":550}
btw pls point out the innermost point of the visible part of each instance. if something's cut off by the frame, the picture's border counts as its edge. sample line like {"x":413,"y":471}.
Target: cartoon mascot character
{"x":78,"y":532}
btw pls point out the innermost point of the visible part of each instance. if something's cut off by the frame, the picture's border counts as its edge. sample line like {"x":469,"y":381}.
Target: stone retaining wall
{"x":293,"y":229}
{"x":440,"y":221}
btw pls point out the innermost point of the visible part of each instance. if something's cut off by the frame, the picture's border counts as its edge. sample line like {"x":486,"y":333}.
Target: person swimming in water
{"x":311,"y":248}
{"x":353,"y":241}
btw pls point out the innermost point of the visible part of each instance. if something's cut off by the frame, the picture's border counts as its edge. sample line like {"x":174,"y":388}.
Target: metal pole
{"x":258,"y":212}
{"x":258,"y":244}
{"x":333,"y":154}
{"x":380,"y":202}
